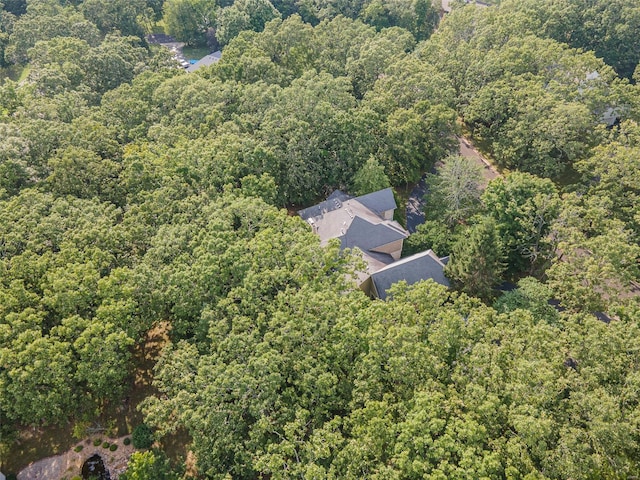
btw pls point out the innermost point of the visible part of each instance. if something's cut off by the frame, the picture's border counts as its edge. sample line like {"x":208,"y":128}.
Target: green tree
{"x":509,"y":113}
{"x":84,"y":174}
{"x":370,"y":178}
{"x":453,"y":193}
{"x":597,"y":257}
{"x":142,"y":436}
{"x":477,"y":260}
{"x":189,"y":20}
{"x":523,"y":207}
{"x":243,"y":15}
{"x":415,"y":139}
{"x":612,"y":172}
{"x":150,"y":465}
{"x":36,"y":379}
{"x":432,"y":234}
{"x":375,"y":56}
{"x":103,"y":360}
{"x":531,"y":295}
{"x":6,"y":26}
{"x":42,"y":23}
{"x":230,"y":22}
{"x":420,"y":17}
{"x":596,"y":27}
{"x":121,"y":15}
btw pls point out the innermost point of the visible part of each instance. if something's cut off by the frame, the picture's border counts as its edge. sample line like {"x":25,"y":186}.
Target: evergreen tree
{"x":476,"y":263}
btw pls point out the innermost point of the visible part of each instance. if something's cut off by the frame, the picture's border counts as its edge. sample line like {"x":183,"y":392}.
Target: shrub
{"x":112,"y":429}
{"x":77,"y":477}
{"x":127,"y":441}
{"x":97,"y":442}
{"x":78,"y":448}
{"x":106,"y":445}
{"x":113,"y":447}
{"x":80,"y":430}
{"x":142,"y":436}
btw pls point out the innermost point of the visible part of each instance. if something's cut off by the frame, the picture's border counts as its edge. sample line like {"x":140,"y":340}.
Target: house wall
{"x":369,"y":288}
{"x":394,"y":249}
{"x":388,"y":215}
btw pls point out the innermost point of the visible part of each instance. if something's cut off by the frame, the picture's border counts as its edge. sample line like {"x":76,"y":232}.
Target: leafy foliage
{"x":477,"y":260}
{"x":142,"y":436}
{"x":150,"y":465}
{"x":454,"y":193}
{"x":132,"y":193}
{"x":189,"y":20}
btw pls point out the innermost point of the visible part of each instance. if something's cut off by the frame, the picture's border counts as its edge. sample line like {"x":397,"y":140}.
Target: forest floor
{"x":119,"y":419}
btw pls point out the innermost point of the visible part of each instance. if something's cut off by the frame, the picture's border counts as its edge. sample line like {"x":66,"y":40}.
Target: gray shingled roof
{"x":366,"y":235}
{"x":379,"y":201}
{"x":381,"y":257}
{"x":333,"y":202}
{"x":205,"y":61}
{"x":421,"y":266}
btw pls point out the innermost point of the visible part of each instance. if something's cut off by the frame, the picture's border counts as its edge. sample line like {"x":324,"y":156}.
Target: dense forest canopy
{"x":133,"y":193}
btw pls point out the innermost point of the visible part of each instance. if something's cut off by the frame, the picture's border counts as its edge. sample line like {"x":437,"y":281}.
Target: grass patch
{"x":195,"y":53}
{"x":24,"y":73}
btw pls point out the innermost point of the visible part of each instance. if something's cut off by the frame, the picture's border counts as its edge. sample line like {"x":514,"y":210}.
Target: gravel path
{"x":70,"y":463}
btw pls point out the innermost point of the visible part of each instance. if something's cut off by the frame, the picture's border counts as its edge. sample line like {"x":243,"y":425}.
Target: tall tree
{"x":111,"y":15}
{"x":453,"y":193}
{"x":477,"y":260}
{"x":523,"y":207}
{"x":190,"y":20}
{"x":370,"y":178}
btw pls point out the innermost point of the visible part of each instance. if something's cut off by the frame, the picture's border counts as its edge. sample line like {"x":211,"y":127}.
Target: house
{"x":366,"y":223}
{"x":421,"y":266}
{"x":205,"y":61}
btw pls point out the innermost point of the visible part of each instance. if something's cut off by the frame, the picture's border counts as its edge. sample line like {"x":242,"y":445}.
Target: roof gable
{"x":205,"y":61}
{"x":380,"y":201}
{"x":367,"y":236}
{"x":421,"y":266}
